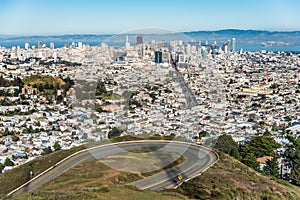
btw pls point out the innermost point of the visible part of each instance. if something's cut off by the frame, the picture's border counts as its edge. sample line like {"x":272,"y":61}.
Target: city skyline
{"x":56,"y":18}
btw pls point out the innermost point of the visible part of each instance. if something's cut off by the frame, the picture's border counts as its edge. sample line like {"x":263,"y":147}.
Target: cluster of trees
{"x":7,"y":162}
{"x":54,"y":86}
{"x":6,"y":132}
{"x":249,"y":152}
{"x":68,"y":83}
{"x":114,"y":132}
{"x":31,"y":130}
{"x":293,"y":154}
{"x":15,"y":82}
{"x":15,"y":93}
{"x":101,"y":89}
{"x":227,"y":145}
{"x":6,"y":102}
{"x":48,"y":150}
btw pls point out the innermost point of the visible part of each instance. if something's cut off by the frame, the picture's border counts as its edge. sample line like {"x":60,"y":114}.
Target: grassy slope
{"x":98,"y":182}
{"x":42,"y":79}
{"x":19,"y":175}
{"x":227,"y":179}
{"x":230,"y":179}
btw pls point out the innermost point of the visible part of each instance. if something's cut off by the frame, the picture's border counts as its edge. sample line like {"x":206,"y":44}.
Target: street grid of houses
{"x":242,"y":94}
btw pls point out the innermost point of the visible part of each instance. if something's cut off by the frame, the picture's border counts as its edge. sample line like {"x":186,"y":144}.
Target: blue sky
{"x":55,"y":17}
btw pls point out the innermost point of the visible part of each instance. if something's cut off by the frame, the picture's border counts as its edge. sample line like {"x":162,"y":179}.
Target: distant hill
{"x":242,"y":36}
{"x":249,"y":36}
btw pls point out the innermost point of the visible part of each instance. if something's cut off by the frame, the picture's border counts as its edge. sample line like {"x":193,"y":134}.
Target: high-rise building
{"x":14,"y":51}
{"x":225,"y":48}
{"x":139,"y":40}
{"x":80,"y":45}
{"x":166,"y":57}
{"x":143,"y":50}
{"x":39,"y":44}
{"x":188,"y":49}
{"x":233,"y":44}
{"x":27,"y":46}
{"x":228,"y":44}
{"x":158,"y":57}
{"x":55,"y":56}
{"x":127,"y":44}
{"x":52,"y":45}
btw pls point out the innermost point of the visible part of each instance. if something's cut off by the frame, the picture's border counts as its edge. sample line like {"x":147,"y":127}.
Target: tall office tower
{"x":225,"y":48}
{"x":127,"y":44}
{"x":188,"y":49}
{"x":166,"y":57}
{"x":158,"y":57}
{"x":55,"y":56}
{"x":228,"y":44}
{"x":52,"y":45}
{"x":27,"y":46}
{"x":80,"y":45}
{"x":180,"y":42}
{"x":14,"y":51}
{"x":39,"y":45}
{"x":139,"y":40}
{"x":233,"y":44}
{"x":143,"y":49}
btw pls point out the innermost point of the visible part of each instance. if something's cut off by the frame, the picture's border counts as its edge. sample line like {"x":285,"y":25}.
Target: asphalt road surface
{"x":197,"y":159}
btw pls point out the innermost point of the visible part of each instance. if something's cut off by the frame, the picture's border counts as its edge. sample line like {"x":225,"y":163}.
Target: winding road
{"x":198,"y":159}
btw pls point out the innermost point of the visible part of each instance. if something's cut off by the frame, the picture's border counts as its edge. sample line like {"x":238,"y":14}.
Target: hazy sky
{"x":50,"y":17}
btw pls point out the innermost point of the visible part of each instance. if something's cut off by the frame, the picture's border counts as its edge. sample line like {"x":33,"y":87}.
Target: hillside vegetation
{"x":228,"y":179}
{"x":231,"y":179}
{"x":38,"y":79}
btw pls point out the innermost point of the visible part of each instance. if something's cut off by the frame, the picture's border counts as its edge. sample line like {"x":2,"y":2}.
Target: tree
{"x":38,"y":123}
{"x":68,"y":83}
{"x":101,"y":89}
{"x":250,"y":161}
{"x":235,"y":153}
{"x":293,"y":153}
{"x":56,"y":146}
{"x":260,"y":146}
{"x":8,"y":162}
{"x":1,"y":167}
{"x":6,"y":132}
{"x":227,"y":145}
{"x":40,"y":87}
{"x":115,"y":132}
{"x":59,"y":98}
{"x":47,"y":150}
{"x":202,"y":134}
{"x":84,"y":136}
{"x":272,"y":167}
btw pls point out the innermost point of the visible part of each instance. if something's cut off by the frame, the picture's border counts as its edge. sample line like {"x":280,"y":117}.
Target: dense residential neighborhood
{"x":59,"y":98}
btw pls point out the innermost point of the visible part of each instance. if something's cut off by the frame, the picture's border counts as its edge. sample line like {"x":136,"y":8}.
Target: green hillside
{"x":42,"y":79}
{"x":231,"y":179}
{"x":228,"y":179}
